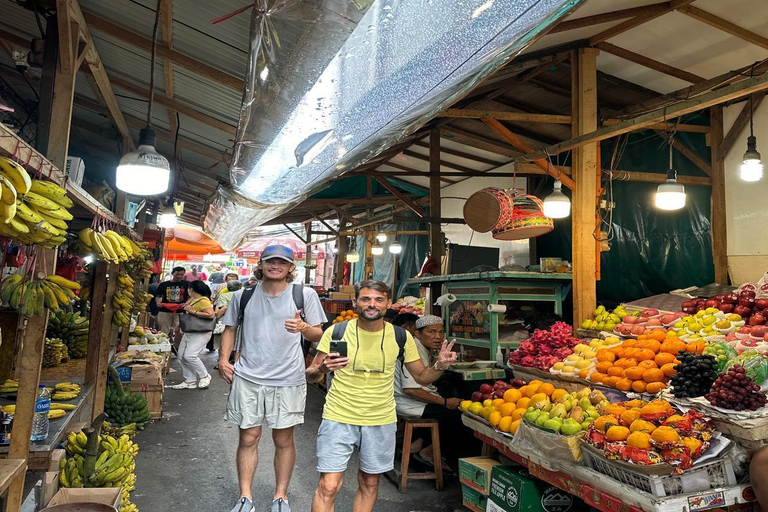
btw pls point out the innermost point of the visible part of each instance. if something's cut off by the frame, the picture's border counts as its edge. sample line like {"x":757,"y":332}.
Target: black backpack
{"x":401,"y":336}
{"x":298,"y":299}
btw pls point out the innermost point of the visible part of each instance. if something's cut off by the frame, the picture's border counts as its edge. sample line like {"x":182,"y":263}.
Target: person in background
{"x":390,"y":315}
{"x":171,"y":292}
{"x":193,"y":274}
{"x":433,"y":401}
{"x":360,"y":407}
{"x":217,"y":276}
{"x":192,"y":343}
{"x":220,"y":305}
{"x":407,"y":321}
{"x":268,"y":383}
{"x":152,"y":306}
{"x":203,"y":275}
{"x":217,"y":289}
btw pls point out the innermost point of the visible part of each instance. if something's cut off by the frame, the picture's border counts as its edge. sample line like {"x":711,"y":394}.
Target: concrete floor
{"x":187,"y":460}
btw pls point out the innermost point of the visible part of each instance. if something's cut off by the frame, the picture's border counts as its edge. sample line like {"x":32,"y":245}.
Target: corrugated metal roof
{"x":19,"y":21}
{"x":208,"y":96}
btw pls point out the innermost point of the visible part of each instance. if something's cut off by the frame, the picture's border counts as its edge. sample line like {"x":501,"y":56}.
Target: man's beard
{"x":361,"y":313}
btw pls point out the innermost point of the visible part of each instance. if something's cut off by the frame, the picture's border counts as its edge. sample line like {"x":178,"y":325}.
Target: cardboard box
{"x":140,"y":374}
{"x":475,"y":472}
{"x":348,"y":288}
{"x":154,"y":394}
{"x":513,"y":489}
{"x":49,"y":487}
{"x":107,"y":496}
{"x":341,"y":296}
{"x":56,"y":456}
{"x":472,"y":499}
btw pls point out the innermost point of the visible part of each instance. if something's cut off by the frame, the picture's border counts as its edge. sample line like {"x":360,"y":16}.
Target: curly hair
{"x":259,"y":273}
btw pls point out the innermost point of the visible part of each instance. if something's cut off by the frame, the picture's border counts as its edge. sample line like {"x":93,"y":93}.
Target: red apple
{"x":477,"y":396}
{"x":700,"y":307}
{"x":742,"y":311}
{"x":744,"y":329}
{"x":759,"y":331}
{"x":747,"y":293}
{"x":500,"y":384}
{"x":667,"y":319}
{"x":486,"y":388}
{"x":637,"y":330}
{"x":630,"y":319}
{"x":517,"y":383}
{"x":624,"y":329}
{"x":726,"y":307}
{"x":756,"y":319}
{"x":719,"y":298}
{"x":647,"y":313}
{"x":654,"y":322}
{"x":731,"y":298}
{"x":761,"y":304}
{"x":688,"y":304}
{"x":712,"y":303}
{"x":499,"y":393}
{"x":486,"y":396}
{"x":746,"y":300}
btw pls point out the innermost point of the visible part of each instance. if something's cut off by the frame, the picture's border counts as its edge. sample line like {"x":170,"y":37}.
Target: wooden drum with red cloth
{"x":527,"y":220}
{"x":488,"y":209}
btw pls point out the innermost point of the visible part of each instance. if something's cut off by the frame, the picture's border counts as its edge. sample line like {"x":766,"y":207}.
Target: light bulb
{"x":381,"y":237}
{"x":168,"y":218}
{"x":353,"y":256}
{"x":334,"y":249}
{"x":557,"y":205}
{"x":143,"y":172}
{"x":670,"y":195}
{"x":315,"y":249}
{"x":395,"y":247}
{"x":377,"y":250}
{"x":752,"y":167}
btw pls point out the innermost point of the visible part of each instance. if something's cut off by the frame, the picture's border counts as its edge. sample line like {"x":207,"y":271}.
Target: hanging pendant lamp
{"x":670,"y":195}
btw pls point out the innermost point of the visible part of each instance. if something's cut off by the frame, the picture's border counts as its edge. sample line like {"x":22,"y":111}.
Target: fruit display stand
{"x":601,"y":492}
{"x":482,"y":289}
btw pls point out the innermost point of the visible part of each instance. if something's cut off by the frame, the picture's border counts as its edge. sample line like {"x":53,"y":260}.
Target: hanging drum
{"x":488,"y":209}
{"x":526,"y":220}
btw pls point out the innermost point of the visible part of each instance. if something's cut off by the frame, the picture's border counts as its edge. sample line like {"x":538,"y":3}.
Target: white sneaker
{"x":204,"y":382}
{"x":184,"y":385}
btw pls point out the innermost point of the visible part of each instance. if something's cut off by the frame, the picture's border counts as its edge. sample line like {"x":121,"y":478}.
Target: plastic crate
{"x":336,"y":306}
{"x":707,"y":475}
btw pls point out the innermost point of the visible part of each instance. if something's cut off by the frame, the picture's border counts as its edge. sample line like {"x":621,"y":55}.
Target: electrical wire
{"x":37,"y":19}
{"x":152,"y":64}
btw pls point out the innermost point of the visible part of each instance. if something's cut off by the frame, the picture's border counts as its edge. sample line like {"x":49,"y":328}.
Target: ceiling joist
{"x":724,"y":25}
{"x":608,"y":17}
{"x":636,"y":21}
{"x":649,"y":63}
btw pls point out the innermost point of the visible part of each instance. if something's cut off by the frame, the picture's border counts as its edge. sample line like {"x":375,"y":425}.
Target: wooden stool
{"x":410,"y":424}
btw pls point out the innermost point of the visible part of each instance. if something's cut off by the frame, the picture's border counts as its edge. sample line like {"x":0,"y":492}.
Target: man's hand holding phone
{"x":336,"y":358}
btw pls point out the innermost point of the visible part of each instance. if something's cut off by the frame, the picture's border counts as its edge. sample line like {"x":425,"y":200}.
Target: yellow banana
{"x":19,"y":226}
{"x":38,"y":203}
{"x":53,"y":220}
{"x":51,"y":191}
{"x":16,"y":174}
{"x":7,"y":212}
{"x":63,"y":407}
{"x":9,"y":192}
{"x":55,"y":414}
{"x":64,"y":282}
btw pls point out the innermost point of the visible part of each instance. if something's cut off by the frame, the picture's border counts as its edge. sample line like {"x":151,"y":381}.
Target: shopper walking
{"x":192,"y":343}
{"x":194,"y":274}
{"x":268,"y":383}
{"x":360,"y":406}
{"x":169,"y":297}
{"x":220,"y":305}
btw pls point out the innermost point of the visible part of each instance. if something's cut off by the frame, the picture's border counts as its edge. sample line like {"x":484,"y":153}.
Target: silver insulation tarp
{"x":332,"y":83}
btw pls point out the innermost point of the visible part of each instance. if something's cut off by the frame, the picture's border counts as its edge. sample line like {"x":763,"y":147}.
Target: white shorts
{"x":251,"y":405}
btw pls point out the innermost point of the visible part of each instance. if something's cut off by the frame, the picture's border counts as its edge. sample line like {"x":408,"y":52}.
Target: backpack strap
{"x":244,"y":299}
{"x":298,"y":298}
{"x":401,"y":336}
{"x":339,"y":330}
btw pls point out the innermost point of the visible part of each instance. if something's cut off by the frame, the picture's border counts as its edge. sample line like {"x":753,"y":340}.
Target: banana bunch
{"x":113,"y":468}
{"x":10,"y":386}
{"x":54,"y":353}
{"x":31,"y":298}
{"x":109,"y":245}
{"x":72,"y":329}
{"x":117,"y":432}
{"x":141,"y":265}
{"x":122,"y":300}
{"x":65,"y":391}
{"x":141,"y":301}
{"x":125,"y":409}
{"x":14,"y":181}
{"x":53,"y":414}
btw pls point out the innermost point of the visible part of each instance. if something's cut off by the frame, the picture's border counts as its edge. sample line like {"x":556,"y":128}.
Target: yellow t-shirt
{"x":201,"y":303}
{"x":360,"y":397}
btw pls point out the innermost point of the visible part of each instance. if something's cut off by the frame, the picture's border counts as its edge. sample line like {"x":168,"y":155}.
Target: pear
{"x":547,"y":407}
{"x":542,"y":418}
{"x":570,"y":427}
{"x":586,"y":423}
{"x":592,"y":412}
{"x":531,"y":414}
{"x":577,"y":414}
{"x":584,"y":403}
{"x":558,"y":411}
{"x":596,"y":397}
{"x":553,"y":424}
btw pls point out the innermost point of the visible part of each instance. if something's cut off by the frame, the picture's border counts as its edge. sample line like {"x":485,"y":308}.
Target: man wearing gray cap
{"x":415,"y":399}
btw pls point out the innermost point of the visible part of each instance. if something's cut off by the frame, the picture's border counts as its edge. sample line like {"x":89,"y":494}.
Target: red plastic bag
{"x":67,"y":266}
{"x":15,"y":257}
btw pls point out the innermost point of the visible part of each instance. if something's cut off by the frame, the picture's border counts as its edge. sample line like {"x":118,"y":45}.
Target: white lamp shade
{"x":377,"y":250}
{"x":168,"y":219}
{"x":381,"y":237}
{"x":395,"y":247}
{"x":670,"y":196}
{"x":353,"y":256}
{"x":334,"y":249}
{"x":557,"y":205}
{"x":144,"y":171}
{"x":751,"y":170}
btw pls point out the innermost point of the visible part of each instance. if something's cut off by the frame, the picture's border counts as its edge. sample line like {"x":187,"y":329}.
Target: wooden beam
{"x":678,"y":127}
{"x":68,"y":37}
{"x":460,"y":154}
{"x":745,"y":87}
{"x":586,"y":173}
{"x":108,"y":336}
{"x":718,"y":215}
{"x":166,"y":22}
{"x":175,"y":105}
{"x":478,"y":141}
{"x":435,"y":234}
{"x":649,"y":63}
{"x":460,"y":113}
{"x":333,"y":230}
{"x":297,"y":235}
{"x":688,"y":153}
{"x":741,"y":122}
{"x":542,"y":162}
{"x":636,"y":22}
{"x":608,"y":17}
{"x":725,"y":25}
{"x":184,"y":61}
{"x":402,"y":197}
{"x":653,"y":177}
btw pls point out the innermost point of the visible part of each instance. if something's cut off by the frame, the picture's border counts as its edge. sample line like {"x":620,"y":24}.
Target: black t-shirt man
{"x":174,"y":291}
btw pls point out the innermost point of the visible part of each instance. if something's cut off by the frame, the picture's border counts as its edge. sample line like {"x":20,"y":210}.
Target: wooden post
{"x":98,"y":299}
{"x":435,"y":234}
{"x":29,"y":379}
{"x":717,"y":215}
{"x":308,"y":255}
{"x":341,"y":246}
{"x":106,"y":335}
{"x":585,"y":160}
{"x":370,"y":238}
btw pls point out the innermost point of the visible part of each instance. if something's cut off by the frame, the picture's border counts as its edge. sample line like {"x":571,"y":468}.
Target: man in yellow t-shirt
{"x":360,"y":405}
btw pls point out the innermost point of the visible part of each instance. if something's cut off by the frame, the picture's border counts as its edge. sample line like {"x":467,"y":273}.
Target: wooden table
{"x":10,"y":469}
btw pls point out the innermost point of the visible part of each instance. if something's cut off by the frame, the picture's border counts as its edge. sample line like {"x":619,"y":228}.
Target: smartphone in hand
{"x":339,"y":346}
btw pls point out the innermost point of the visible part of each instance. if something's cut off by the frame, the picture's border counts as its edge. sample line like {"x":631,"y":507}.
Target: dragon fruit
{"x":545,"y":348}
{"x":529,"y":361}
{"x":562,"y":353}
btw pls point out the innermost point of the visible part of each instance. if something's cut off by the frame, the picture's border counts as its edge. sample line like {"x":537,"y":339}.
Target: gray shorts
{"x":336,"y":442}
{"x":252,"y":405}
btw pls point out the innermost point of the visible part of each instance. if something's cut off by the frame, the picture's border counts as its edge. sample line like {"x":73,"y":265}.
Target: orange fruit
{"x":518,"y":414}
{"x":654,"y":387}
{"x":507,"y":409}
{"x":634,"y":372}
{"x":642,"y":426}
{"x":531,"y":389}
{"x":645,"y":354}
{"x":558,"y":394}
{"x":523,"y":389}
{"x":539,"y":397}
{"x":665,"y":435}
{"x":546,"y":388}
{"x":663,"y":358}
{"x":605,"y":355}
{"x":652,"y":344}
{"x":603,"y":421}
{"x":611,"y":381}
{"x":653,"y":375}
{"x":523,"y":403}
{"x":669,"y":369}
{"x":647,"y":364}
{"x":494,"y":418}
{"x":339,"y":318}
{"x":657,"y":334}
{"x":626,"y":362}
{"x":639,"y":439}
{"x":536,"y":381}
{"x":630,"y":415}
{"x":497,"y":403}
{"x":513,"y":427}
{"x":505,"y":423}
{"x":584,"y":372}
{"x":615,"y":371}
{"x":624,"y":385}
{"x":603,"y":366}
{"x":616,"y":350}
{"x":638,"y":386}
{"x":617,"y":433}
{"x":614,"y":410}
{"x":597,"y":377}
{"x":512,"y":395}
